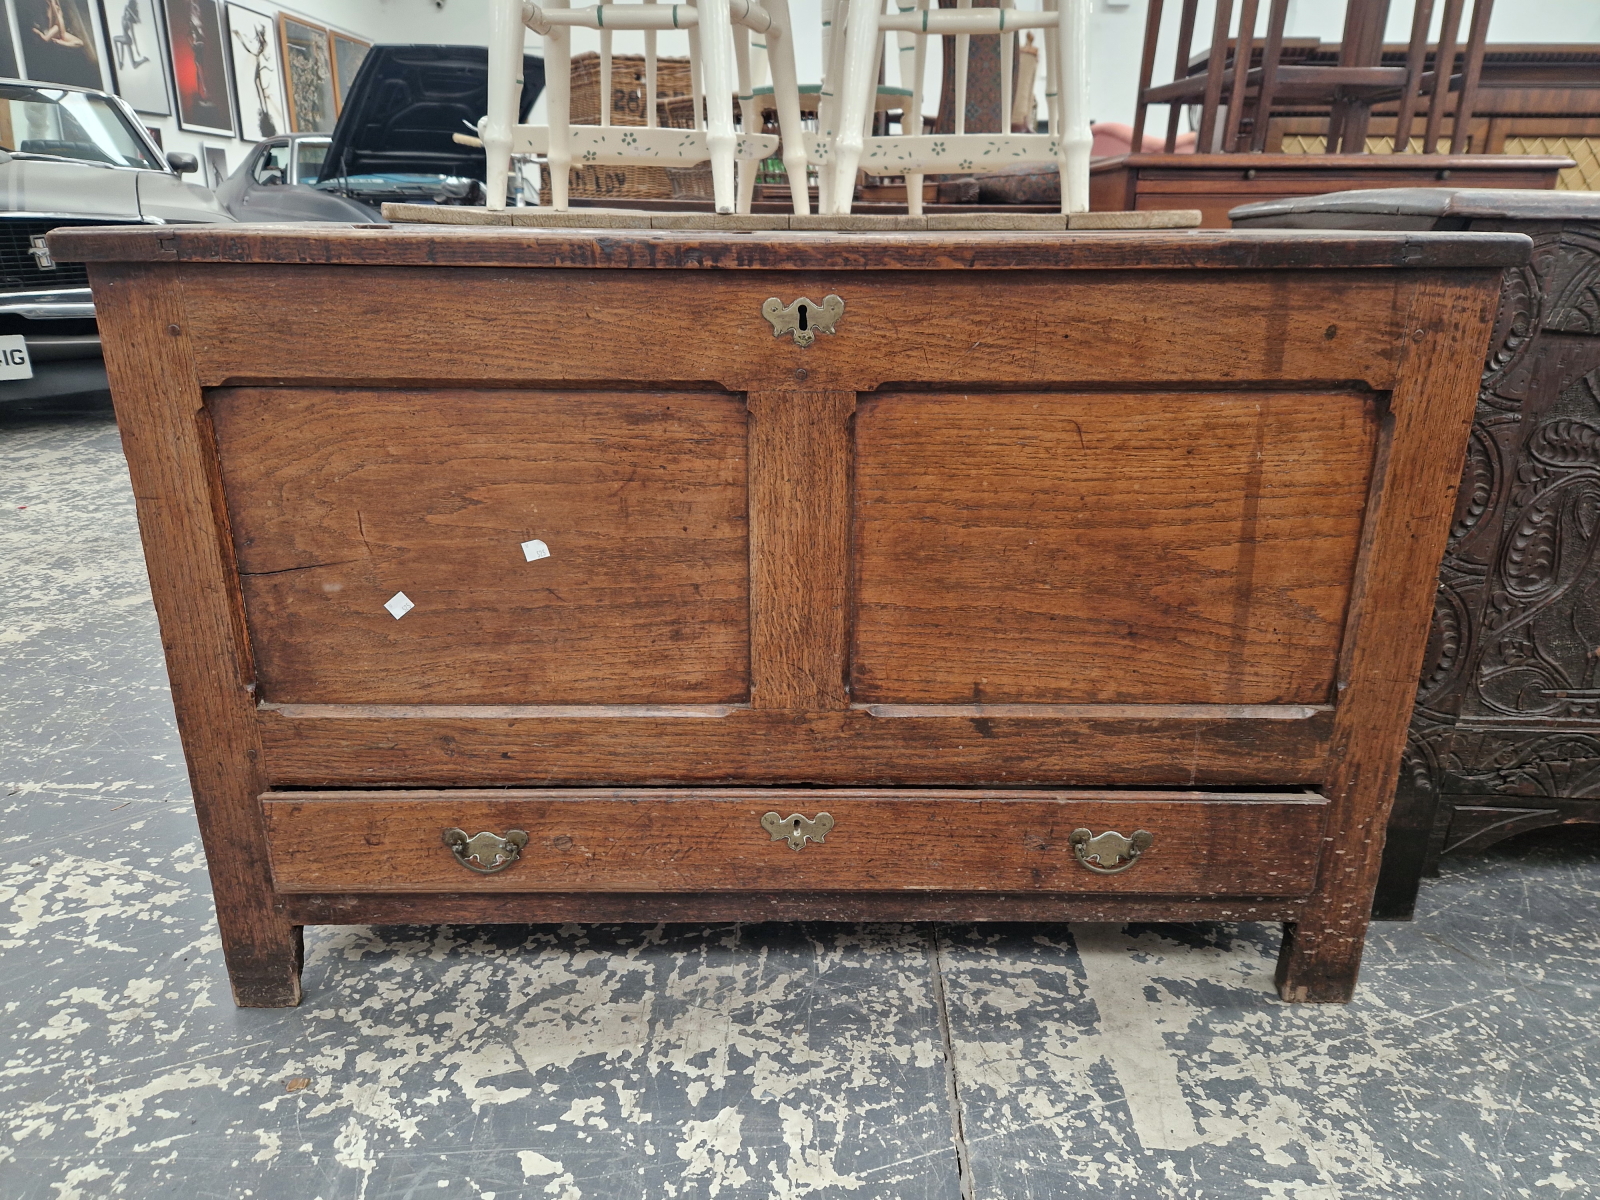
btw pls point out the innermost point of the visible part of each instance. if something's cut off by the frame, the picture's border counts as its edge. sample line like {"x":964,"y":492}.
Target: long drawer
{"x":1166,"y":843}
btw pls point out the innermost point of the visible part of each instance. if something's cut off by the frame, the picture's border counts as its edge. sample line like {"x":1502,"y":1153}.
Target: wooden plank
{"x":756,"y":746}
{"x":1106,"y":549}
{"x":799,"y":548}
{"x":172,"y":463}
{"x":340,"y":500}
{"x":275,"y":324}
{"x":329,"y":245}
{"x":523,"y":908}
{"x":1414,"y":497}
{"x":696,"y":841}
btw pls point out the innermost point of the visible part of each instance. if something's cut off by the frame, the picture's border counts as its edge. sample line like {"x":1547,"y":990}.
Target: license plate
{"x":14,"y":360}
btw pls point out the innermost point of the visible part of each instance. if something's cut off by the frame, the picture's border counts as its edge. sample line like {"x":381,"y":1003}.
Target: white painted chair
{"x":719,"y":49}
{"x":853,"y":38}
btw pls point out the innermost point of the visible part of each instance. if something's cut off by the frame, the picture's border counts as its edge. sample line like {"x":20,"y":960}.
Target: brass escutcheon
{"x":1108,"y":849}
{"x":485,"y":853}
{"x":795,"y":829}
{"x":804,"y":317}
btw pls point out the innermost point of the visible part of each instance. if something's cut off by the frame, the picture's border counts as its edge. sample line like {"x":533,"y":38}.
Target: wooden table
{"x":1070,"y":577}
{"x":1215,"y":183}
{"x":1505,"y":736}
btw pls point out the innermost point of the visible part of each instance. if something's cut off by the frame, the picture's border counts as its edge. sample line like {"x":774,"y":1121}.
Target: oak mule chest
{"x":510,"y":575}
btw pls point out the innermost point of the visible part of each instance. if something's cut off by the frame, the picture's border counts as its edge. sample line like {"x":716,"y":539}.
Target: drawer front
{"x":699,"y":840}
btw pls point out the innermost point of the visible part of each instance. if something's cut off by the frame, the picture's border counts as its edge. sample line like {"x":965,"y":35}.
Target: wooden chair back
{"x":1238,"y":90}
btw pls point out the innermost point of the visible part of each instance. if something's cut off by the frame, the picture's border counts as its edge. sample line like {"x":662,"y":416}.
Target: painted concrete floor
{"x":621,"y":1062}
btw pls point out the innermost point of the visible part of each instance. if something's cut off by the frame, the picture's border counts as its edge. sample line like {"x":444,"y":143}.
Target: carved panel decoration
{"x":1506,"y":731}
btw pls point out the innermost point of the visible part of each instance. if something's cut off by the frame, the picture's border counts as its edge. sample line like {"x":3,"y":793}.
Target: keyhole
{"x":803,"y":317}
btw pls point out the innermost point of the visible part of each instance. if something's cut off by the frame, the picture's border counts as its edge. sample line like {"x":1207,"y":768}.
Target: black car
{"x":71,"y":156}
{"x":394,"y":142}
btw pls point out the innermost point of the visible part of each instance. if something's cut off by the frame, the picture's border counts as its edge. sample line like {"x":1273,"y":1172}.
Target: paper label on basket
{"x":534,"y":550}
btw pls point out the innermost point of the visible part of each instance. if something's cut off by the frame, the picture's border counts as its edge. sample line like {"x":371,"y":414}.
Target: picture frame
{"x":201,"y":84}
{"x":257,"y":73}
{"x":61,"y":41}
{"x":346,"y":53}
{"x":139,"y":61}
{"x":214,"y":161}
{"x":313,"y":100}
{"x":10,"y":67}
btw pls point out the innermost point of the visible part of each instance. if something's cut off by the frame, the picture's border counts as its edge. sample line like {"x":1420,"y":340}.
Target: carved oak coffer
{"x":1505,"y":736}
{"x":514,"y":575}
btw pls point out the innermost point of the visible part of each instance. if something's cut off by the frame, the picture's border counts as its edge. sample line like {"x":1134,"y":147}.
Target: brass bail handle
{"x":485,"y":853}
{"x":1104,"y":853}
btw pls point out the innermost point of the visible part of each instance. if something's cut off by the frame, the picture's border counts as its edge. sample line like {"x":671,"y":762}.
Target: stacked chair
{"x":719,"y":49}
{"x":845,"y":104}
{"x":854,"y":34}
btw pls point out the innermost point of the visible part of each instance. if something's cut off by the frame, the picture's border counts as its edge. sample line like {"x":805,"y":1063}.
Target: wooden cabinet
{"x":1067,"y":577}
{"x":1216,"y":183}
{"x":1505,"y":736}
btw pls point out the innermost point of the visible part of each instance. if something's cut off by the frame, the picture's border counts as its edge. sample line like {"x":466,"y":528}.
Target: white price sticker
{"x":14,"y":360}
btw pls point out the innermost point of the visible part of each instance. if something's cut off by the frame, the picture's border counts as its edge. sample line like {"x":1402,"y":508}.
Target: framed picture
{"x":9,"y":67}
{"x":215,"y":159}
{"x":308,"y":72}
{"x":348,"y":52}
{"x":200,"y":66}
{"x":138,"y":54}
{"x":257,"y":74}
{"x":61,"y":42}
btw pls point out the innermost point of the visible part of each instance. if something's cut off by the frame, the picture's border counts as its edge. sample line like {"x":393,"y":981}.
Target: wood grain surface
{"x":799,"y":547}
{"x":340,"y":499}
{"x":514,"y":908}
{"x":358,"y":747}
{"x":1420,"y":460}
{"x":1162,"y":547}
{"x":645,"y":330}
{"x":1144,"y":250}
{"x":172,"y":463}
{"x":659,"y":841}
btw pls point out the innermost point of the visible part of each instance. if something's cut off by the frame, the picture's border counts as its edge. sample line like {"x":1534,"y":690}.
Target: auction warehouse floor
{"x":619,"y":1062}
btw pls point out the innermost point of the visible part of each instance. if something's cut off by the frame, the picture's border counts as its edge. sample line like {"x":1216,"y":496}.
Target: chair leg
{"x":913,"y":195}
{"x":834,"y":15}
{"x":749,"y":117}
{"x":558,"y":107}
{"x":786,"y":92}
{"x":505,"y":90}
{"x":1075,"y":140}
{"x":856,"y":92}
{"x":911,"y":115}
{"x":716,"y":68}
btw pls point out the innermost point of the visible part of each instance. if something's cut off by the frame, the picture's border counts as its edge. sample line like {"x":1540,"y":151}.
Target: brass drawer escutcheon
{"x":485,"y":853}
{"x":1102,"y":852}
{"x":795,"y":829}
{"x":804,"y":317}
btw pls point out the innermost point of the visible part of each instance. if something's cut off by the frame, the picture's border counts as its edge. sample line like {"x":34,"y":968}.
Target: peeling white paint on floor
{"x":640,"y":1063}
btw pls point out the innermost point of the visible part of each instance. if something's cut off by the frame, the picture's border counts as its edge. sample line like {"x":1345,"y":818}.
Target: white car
{"x":71,"y":156}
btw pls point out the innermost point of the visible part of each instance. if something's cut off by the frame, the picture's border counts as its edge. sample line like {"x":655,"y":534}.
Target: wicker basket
{"x":674,"y":110}
{"x":627,"y":87}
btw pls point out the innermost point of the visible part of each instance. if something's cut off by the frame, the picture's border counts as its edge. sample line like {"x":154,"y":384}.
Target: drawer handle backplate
{"x":795,"y":829}
{"x":485,"y":853}
{"x":1102,"y":853}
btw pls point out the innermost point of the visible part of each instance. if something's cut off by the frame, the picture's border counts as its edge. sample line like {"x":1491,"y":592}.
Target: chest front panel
{"x":1028,"y":529}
